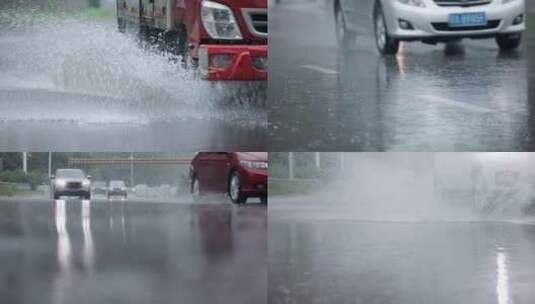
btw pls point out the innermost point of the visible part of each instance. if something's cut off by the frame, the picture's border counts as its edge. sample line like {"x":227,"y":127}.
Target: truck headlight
{"x":218,"y":20}
{"x":417,"y":3}
{"x":254,"y":164}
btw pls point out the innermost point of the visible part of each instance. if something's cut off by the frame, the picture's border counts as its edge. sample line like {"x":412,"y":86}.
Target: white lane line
{"x":457,"y":104}
{"x":320,"y":69}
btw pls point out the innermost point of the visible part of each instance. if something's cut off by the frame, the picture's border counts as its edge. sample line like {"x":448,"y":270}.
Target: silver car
{"x":430,"y":21}
{"x":70,"y":182}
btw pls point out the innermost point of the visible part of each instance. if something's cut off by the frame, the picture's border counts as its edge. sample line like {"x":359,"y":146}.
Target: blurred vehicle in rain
{"x":70,"y":182}
{"x":99,"y":188}
{"x":239,"y":174}
{"x":493,"y":184}
{"x":117,"y":188}
{"x":430,"y":21}
{"x":226,"y":40}
{"x":140,"y":190}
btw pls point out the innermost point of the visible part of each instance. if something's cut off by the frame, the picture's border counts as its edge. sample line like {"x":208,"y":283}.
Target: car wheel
{"x":234,"y":189}
{"x":346,"y":38}
{"x":87,"y":196}
{"x":509,"y":42}
{"x":195,"y":189}
{"x":386,"y":45}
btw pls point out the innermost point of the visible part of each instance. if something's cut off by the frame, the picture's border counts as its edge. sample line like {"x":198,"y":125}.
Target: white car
{"x":430,"y":21}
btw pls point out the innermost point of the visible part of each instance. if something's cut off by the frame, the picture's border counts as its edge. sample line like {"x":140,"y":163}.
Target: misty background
{"x":408,"y":186}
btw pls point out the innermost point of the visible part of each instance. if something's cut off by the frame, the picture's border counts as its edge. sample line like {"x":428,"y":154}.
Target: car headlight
{"x":61,"y":183}
{"x":86,"y":182}
{"x":254,"y":164}
{"x":218,"y":20}
{"x":417,"y":3}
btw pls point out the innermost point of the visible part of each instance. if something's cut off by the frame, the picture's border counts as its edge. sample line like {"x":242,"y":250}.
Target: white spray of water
{"x":43,"y":54}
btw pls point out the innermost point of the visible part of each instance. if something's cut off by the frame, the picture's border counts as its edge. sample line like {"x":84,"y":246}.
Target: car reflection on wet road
{"x":131,"y":252}
{"x":464,"y":96}
{"x":322,"y":256}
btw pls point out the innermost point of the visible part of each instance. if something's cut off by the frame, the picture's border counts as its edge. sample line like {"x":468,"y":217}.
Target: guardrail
{"x":18,"y":186}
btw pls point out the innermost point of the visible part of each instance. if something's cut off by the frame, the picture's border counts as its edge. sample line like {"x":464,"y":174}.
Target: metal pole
{"x":131,"y":169}
{"x":49,"y":163}
{"x":25,"y":162}
{"x":291,"y":165}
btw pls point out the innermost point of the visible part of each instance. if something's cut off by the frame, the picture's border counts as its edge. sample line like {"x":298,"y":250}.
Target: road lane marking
{"x":457,"y":104}
{"x":320,"y":69}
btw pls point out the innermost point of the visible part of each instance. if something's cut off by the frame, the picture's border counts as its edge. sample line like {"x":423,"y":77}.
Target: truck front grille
{"x":257,"y":21}
{"x":445,"y":27}
{"x":463,"y":3}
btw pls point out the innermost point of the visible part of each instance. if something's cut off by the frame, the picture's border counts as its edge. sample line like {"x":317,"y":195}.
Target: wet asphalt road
{"x":466,"y":96}
{"x":131,"y":252}
{"x":94,"y":89}
{"x":321,"y":255}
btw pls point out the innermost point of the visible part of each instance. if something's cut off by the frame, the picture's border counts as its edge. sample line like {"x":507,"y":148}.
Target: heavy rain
{"x":135,"y":236}
{"x":402,"y":228}
{"x":66,"y":72}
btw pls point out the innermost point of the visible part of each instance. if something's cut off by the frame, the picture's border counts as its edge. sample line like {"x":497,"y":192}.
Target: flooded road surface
{"x":466,"y":96}
{"x":65,"y":78}
{"x":318,"y":255}
{"x":131,"y":252}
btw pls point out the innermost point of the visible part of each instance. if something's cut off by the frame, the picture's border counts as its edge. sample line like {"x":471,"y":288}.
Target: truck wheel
{"x":346,"y":38}
{"x":234,"y":189}
{"x":509,"y":42}
{"x":87,"y":196}
{"x":264,"y":199}
{"x":121,"y":25}
{"x":195,"y":189}
{"x":386,"y":45}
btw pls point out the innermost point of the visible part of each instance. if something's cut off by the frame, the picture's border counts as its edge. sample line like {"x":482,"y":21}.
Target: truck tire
{"x":87,"y":196}
{"x":509,"y":42}
{"x":121,"y":25}
{"x":386,"y":45}
{"x":264,"y":199}
{"x":56,"y":196}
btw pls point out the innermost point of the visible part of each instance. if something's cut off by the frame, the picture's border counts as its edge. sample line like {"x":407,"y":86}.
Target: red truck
{"x":226,"y":39}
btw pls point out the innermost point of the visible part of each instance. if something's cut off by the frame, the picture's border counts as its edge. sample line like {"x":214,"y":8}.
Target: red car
{"x":240,"y":174}
{"x":227,"y":39}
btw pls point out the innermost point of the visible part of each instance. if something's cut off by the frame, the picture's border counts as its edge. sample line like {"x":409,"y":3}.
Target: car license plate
{"x":467,"y":19}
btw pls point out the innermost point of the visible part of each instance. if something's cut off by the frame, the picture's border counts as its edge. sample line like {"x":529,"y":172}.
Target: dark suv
{"x":117,"y":188}
{"x":70,"y":182}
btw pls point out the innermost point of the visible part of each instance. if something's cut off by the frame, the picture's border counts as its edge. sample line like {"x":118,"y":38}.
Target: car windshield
{"x":70,"y":173}
{"x":116,"y":184}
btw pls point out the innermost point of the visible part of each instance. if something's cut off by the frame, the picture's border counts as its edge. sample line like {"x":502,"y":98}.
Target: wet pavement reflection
{"x":315,"y":260}
{"x":131,"y":252}
{"x":464,"y":96}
